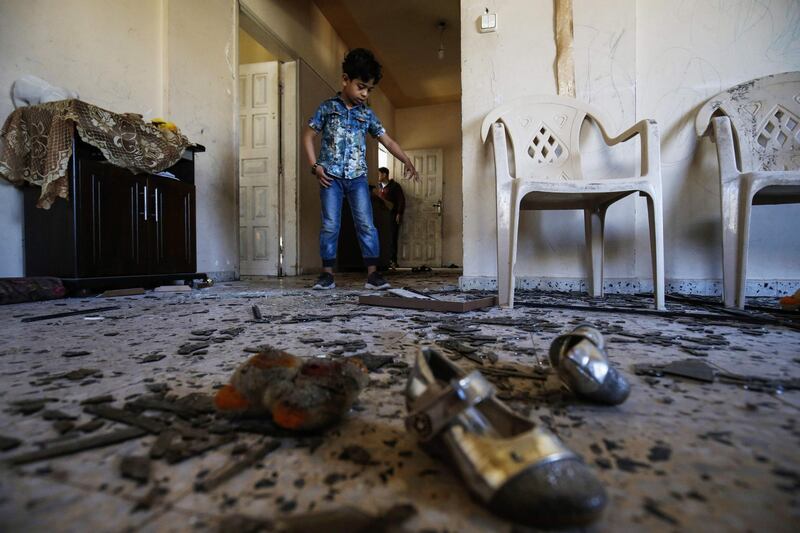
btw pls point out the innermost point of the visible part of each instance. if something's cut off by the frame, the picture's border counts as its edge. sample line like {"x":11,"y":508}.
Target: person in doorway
{"x":341,"y":167}
{"x":392,"y":195}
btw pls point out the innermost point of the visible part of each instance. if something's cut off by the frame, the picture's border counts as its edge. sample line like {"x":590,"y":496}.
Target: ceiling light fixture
{"x":441,"y":25}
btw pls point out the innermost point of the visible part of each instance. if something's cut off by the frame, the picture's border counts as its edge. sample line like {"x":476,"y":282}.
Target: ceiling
{"x":404,"y":37}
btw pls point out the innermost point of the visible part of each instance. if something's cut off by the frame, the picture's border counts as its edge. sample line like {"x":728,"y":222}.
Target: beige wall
{"x":199,"y":84}
{"x":385,"y":111}
{"x":300,"y":25}
{"x":250,"y":51}
{"x":439,"y":126}
{"x":153,"y":57}
{"x":685,"y":55}
{"x":634,"y":59}
{"x":109,"y":53}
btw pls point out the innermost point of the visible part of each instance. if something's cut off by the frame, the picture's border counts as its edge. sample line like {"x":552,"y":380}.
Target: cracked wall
{"x":633,"y":60}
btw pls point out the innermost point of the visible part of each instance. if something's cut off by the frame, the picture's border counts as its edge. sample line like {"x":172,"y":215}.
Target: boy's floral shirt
{"x":343,"y":151}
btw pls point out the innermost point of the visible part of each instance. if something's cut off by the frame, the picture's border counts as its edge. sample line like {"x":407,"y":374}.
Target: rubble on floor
{"x":112,"y":420}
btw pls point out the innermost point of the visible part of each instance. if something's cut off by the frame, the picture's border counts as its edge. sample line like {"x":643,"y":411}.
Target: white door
{"x":421,"y":230}
{"x":259,"y":161}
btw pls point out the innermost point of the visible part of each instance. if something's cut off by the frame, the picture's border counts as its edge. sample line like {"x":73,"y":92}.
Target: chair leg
{"x":507,"y":220}
{"x":511,"y":282}
{"x":745,"y":209}
{"x":729,"y":205}
{"x":656,"y":219}
{"x":594,"y":224}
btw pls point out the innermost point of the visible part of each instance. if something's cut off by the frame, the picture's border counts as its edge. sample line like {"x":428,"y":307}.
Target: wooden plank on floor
{"x":428,"y":305}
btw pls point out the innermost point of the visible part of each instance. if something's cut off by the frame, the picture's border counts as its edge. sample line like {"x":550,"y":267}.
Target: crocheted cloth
{"x":38,"y":144}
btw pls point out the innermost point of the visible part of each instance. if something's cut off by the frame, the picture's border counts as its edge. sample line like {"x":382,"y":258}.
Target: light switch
{"x":488,"y":22}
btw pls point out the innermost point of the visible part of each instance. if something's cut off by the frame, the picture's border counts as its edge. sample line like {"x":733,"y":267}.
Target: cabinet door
{"x":111,"y":237}
{"x":173,"y":230}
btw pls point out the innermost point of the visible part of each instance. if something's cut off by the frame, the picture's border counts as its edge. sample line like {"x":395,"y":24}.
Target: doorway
{"x":267,"y":127}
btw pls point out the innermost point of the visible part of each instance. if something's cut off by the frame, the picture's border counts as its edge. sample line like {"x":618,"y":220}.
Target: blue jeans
{"x":357,"y":193}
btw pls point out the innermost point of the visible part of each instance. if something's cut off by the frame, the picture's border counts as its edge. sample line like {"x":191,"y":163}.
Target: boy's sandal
{"x":580,"y":359}
{"x":521,"y":471}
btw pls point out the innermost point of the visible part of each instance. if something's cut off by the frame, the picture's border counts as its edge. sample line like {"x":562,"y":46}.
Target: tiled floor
{"x":679,"y":455}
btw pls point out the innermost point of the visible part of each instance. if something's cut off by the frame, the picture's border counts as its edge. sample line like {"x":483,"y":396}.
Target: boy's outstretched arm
{"x":308,"y":145}
{"x":395,"y":150}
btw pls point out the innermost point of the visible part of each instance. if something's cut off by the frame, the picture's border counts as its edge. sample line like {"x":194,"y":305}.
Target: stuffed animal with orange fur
{"x":303,"y":394}
{"x":791,"y":303}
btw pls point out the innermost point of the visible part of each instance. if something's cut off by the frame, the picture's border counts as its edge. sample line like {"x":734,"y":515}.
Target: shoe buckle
{"x":589,"y":366}
{"x":435,"y":413}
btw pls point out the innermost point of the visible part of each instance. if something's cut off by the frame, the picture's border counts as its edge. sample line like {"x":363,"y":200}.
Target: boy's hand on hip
{"x":324,"y":179}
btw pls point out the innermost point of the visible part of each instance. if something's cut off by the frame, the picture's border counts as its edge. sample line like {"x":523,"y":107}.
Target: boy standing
{"x":341,"y":168}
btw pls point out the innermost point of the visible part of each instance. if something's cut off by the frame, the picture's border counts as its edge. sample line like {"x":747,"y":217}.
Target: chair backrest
{"x":545,"y":134}
{"x":765,"y":117}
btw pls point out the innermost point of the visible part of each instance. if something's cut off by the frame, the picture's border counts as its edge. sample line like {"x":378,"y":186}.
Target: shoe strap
{"x":436,"y":410}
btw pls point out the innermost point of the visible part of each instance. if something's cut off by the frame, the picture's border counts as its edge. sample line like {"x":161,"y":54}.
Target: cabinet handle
{"x":145,"y":202}
{"x":155,"y":195}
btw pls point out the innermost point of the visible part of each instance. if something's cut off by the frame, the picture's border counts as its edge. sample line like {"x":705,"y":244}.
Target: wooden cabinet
{"x":117,"y":228}
{"x":173,"y":226}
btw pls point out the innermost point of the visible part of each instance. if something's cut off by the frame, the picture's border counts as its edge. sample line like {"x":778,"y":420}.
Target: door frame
{"x":287,"y":238}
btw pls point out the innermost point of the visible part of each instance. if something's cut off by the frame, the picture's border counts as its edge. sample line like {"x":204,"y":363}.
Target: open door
{"x":421,"y":230}
{"x":259,"y":168}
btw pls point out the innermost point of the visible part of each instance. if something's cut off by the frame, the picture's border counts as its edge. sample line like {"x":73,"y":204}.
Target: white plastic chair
{"x":545,"y":149}
{"x":756,"y":126}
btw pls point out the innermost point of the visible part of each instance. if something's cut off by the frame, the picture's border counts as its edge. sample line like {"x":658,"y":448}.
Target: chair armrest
{"x":647,"y":129}
{"x":726,"y":152}
{"x":637,"y":129}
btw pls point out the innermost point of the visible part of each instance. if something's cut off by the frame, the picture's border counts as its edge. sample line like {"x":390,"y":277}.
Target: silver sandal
{"x":582,"y":364}
{"x":519,"y":470}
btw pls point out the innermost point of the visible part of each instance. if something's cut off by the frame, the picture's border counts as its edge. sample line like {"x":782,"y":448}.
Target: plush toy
{"x":30,"y":90}
{"x":303,"y":394}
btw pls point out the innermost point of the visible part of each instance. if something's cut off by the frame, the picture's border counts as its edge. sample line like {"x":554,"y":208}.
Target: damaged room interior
{"x":399,"y":265}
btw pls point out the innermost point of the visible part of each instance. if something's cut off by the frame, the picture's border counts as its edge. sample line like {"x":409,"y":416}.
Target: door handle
{"x":145,"y":202}
{"x":155,"y":197}
{"x":438,"y":206}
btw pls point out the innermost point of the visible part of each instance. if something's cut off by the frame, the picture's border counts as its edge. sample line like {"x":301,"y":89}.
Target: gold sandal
{"x":519,"y":470}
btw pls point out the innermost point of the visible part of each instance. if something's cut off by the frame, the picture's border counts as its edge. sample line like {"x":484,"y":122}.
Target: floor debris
{"x":69,"y":313}
{"x":438,"y":305}
{"x":113,"y":293}
{"x":136,"y":468}
{"x":173,"y":288}
{"x":215,"y":479}
{"x":8,"y":443}
{"x":77,"y":445}
{"x":701,"y":371}
{"x":692,"y":451}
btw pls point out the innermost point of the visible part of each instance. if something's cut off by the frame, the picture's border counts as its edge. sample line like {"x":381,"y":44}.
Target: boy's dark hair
{"x":384,"y":170}
{"x":360,"y":63}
